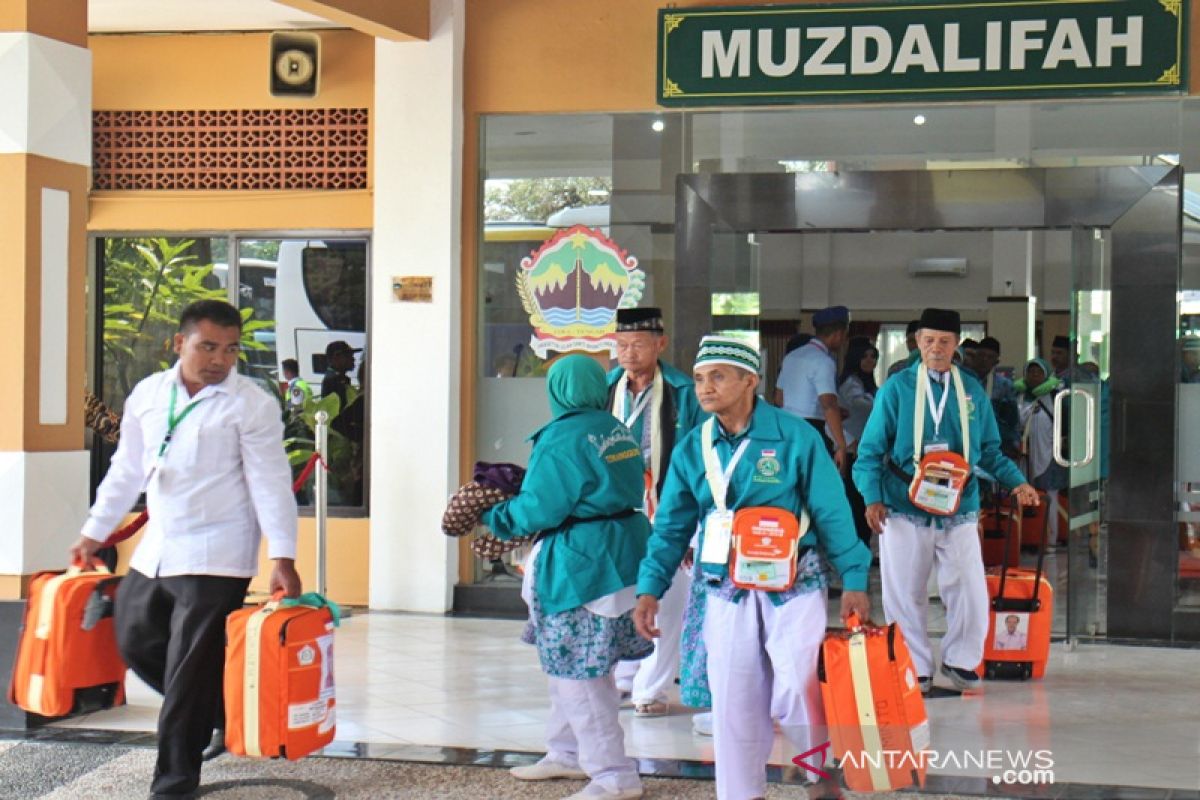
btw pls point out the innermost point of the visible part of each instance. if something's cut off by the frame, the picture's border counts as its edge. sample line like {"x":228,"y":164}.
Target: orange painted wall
{"x":345,"y":561}
{"x":224,"y":71}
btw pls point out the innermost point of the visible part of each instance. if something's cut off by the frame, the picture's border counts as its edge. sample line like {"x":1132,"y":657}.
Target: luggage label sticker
{"x":327,"y":684}
{"x":305,"y":715}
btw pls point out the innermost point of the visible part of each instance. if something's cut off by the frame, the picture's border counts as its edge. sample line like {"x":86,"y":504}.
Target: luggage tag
{"x":718,"y":525}
{"x":718,"y":538}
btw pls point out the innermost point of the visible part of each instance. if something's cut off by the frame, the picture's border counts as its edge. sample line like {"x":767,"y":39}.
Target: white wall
{"x":869,"y":271}
{"x":417,"y":347}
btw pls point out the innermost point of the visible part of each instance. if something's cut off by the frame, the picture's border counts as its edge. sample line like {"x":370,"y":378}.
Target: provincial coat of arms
{"x":571,"y":288}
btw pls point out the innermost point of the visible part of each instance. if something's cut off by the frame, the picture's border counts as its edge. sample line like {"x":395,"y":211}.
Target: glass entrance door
{"x":1082,"y":436}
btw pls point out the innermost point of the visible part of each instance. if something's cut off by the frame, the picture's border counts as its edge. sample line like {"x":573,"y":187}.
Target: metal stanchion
{"x":321,"y":496}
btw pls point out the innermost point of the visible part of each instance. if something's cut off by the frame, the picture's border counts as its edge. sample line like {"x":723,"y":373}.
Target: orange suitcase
{"x":873,"y":707}
{"x":279,"y":688}
{"x":67,"y":658}
{"x":1021,"y":614}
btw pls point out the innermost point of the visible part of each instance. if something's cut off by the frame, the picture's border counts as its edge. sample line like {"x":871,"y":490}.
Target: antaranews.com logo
{"x":1013,"y":767}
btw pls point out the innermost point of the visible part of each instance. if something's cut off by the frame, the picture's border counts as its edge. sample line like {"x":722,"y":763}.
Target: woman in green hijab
{"x":1035,"y":401}
{"x":580,"y":495}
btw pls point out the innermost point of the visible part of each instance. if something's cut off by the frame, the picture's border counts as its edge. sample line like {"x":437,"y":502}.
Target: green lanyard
{"x":172,"y":420}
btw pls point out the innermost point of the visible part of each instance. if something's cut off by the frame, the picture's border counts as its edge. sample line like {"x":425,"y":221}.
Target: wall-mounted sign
{"x":413,"y":288}
{"x":898,"y":51}
{"x":571,"y":288}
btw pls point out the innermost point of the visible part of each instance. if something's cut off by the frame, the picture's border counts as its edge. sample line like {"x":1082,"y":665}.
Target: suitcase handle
{"x":77,"y":567}
{"x":1018,"y":513}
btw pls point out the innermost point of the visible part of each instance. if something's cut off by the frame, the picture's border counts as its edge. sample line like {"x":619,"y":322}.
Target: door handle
{"x":1089,"y":438}
{"x":1089,"y":407}
{"x":1058,"y":417}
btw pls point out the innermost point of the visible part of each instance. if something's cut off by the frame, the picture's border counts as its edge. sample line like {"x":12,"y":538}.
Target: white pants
{"x":583,"y":732}
{"x":650,"y":679}
{"x":907,"y":554}
{"x":762,"y":665}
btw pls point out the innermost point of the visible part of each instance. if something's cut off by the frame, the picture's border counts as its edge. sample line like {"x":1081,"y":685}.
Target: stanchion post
{"x":321,"y":497}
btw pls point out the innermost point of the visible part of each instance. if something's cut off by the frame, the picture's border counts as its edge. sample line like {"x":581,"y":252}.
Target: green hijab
{"x":576,"y":382}
{"x":1050,"y":384}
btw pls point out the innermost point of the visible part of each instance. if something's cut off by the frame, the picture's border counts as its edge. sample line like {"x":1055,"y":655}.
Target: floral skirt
{"x":580,"y":645}
{"x":693,"y":661}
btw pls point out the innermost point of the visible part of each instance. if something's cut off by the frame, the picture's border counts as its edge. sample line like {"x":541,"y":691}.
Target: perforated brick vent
{"x":240,"y":150}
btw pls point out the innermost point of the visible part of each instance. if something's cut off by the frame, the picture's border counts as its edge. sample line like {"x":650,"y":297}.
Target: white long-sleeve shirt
{"x":223,"y":479}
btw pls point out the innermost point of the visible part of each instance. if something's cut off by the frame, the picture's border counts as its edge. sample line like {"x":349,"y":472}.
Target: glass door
{"x":1081,"y":428}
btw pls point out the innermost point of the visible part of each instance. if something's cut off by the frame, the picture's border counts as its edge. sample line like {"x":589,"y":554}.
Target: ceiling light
{"x":657,"y":126}
{"x":919,"y":119}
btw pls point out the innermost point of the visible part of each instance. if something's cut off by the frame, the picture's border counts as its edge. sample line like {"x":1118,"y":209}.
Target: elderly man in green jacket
{"x":762,"y":643}
{"x":949,"y":412}
{"x":658,"y":405}
{"x":581,"y":494}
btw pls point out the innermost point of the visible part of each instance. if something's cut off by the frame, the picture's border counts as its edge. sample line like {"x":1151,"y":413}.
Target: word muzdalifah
{"x":1032,"y":43}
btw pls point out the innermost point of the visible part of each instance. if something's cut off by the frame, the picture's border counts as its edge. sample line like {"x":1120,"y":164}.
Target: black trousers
{"x":819,"y":424}
{"x":171,"y":632}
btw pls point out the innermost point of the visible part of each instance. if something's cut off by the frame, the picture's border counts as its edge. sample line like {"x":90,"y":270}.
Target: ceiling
{"x":144,"y":16}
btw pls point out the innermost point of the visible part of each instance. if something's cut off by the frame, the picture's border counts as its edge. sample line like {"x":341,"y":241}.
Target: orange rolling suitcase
{"x":279,"y":688}
{"x":1020,"y":616}
{"x":873,"y":707}
{"x":67,"y":659}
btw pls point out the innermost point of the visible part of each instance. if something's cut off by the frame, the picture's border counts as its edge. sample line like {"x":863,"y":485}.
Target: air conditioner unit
{"x":938,"y":268}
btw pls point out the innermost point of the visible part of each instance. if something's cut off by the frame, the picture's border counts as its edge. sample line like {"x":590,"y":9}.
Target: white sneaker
{"x":592,"y":792}
{"x":546,"y":770}
{"x":702,"y":724}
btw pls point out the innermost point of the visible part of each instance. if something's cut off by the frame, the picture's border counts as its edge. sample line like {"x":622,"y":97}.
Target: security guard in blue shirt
{"x":808,"y":385}
{"x":762,"y":644}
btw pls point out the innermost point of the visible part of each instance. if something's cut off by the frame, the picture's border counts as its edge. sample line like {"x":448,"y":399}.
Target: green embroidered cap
{"x":727,"y":350}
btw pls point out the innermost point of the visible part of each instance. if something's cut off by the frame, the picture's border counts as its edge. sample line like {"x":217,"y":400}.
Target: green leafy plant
{"x":147,"y":284}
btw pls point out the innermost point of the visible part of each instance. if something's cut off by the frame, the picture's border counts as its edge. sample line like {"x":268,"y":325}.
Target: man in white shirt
{"x":807,"y":383}
{"x":206,"y":446}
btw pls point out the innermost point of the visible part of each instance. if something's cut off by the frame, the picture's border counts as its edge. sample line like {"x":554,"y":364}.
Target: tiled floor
{"x":1126,"y":716}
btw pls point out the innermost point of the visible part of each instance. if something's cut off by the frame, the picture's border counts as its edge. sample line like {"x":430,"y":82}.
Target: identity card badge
{"x":718,"y":536}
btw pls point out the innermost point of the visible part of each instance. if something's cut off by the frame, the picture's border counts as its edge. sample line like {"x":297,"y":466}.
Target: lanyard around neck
{"x":637,"y":409}
{"x":173,"y":420}
{"x":923,"y":397}
{"x":718,"y":476}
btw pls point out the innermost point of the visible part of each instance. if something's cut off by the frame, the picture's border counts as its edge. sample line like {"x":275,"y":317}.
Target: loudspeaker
{"x":295,"y":64}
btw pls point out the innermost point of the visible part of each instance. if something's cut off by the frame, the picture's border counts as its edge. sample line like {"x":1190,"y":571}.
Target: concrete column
{"x":45,"y":152}
{"x":418,"y":130}
{"x":1012,"y":307}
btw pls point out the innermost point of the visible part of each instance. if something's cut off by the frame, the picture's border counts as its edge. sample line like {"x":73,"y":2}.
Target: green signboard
{"x":897,"y":51}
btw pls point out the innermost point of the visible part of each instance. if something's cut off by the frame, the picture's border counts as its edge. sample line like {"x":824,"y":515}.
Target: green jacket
{"x":889,"y":435}
{"x":785,"y":466}
{"x":585,"y":474}
{"x":680,"y":410}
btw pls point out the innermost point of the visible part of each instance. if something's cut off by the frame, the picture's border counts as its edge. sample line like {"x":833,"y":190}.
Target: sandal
{"x":655,"y":709}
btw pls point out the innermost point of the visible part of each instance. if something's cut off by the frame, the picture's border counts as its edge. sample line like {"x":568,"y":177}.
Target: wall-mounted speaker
{"x":295,"y":64}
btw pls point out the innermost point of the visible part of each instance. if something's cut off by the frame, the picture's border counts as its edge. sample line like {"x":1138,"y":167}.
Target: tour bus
{"x":315,"y":292}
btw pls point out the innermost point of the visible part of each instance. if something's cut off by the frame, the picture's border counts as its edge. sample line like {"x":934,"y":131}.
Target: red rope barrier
{"x":137,"y":522}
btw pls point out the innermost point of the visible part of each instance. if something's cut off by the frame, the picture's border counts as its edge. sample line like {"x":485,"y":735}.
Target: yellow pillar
{"x":45,"y":152}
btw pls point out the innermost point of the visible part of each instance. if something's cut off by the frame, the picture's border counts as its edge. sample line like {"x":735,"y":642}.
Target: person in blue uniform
{"x":808,"y":384}
{"x":928,"y":408}
{"x":762,"y":644}
{"x":581,"y":494}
